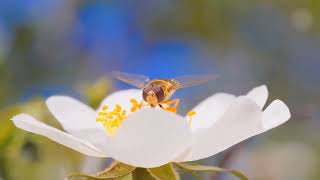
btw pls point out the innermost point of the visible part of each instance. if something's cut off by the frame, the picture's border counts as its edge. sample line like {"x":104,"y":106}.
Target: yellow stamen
{"x":118,"y":108}
{"x":113,"y":119}
{"x":135,"y":105}
{"x":104,"y":107}
{"x":134,"y":101}
{"x":190,"y":115}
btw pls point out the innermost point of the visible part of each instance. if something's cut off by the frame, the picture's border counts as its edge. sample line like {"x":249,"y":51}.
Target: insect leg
{"x":175,"y":105}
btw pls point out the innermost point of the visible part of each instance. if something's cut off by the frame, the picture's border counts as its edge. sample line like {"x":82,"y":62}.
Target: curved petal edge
{"x":72,"y":114}
{"x":275,"y":114}
{"x":259,"y":95}
{"x":29,"y":123}
{"x":242,"y":120}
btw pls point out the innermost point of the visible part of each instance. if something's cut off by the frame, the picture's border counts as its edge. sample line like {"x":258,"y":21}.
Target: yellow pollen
{"x":104,"y":107}
{"x":135,"y":105}
{"x":118,"y":108}
{"x":113,"y":119}
{"x":190,"y":115}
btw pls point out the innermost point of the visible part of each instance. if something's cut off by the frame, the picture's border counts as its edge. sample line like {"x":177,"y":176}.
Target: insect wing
{"x":186,"y":81}
{"x":133,"y":79}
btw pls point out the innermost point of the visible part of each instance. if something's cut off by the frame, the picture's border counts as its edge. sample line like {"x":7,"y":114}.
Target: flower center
{"x":113,"y":119}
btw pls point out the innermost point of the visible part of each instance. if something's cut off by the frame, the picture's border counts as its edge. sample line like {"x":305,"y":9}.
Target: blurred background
{"x":51,"y":47}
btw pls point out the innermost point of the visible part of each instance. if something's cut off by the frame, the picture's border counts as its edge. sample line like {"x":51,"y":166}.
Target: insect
{"x":159,"y":91}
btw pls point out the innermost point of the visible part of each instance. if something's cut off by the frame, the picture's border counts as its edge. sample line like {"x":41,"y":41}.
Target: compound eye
{"x":144,"y":93}
{"x":157,"y":90}
{"x":160,"y":94}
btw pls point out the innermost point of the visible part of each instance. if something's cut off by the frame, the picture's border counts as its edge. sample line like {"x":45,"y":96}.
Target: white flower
{"x":153,"y":137}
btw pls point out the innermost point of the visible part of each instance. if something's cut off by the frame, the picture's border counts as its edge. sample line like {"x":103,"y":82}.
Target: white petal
{"x":151,"y":138}
{"x":242,"y":120}
{"x":122,"y":98}
{"x":275,"y":114}
{"x":210,"y":110}
{"x":259,"y":95}
{"x":28,"y":123}
{"x":73,"y":115}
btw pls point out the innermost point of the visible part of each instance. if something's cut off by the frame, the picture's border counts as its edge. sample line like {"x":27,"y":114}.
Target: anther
{"x":190,"y":115}
{"x":104,"y":107}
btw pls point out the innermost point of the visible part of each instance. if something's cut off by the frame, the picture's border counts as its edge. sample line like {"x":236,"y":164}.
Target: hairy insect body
{"x":158,"y":91}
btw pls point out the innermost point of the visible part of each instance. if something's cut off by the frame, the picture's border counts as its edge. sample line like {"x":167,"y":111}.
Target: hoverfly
{"x":159,"y":91}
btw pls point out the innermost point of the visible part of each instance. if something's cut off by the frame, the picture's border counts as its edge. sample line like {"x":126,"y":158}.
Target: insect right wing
{"x":133,"y":79}
{"x":186,"y":81}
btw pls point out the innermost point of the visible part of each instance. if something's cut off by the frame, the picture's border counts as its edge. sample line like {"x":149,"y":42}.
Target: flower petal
{"x":122,"y":98}
{"x":151,"y":138}
{"x":28,"y":123}
{"x":242,"y":120}
{"x":210,"y":110}
{"x":259,"y":95}
{"x":275,"y":114}
{"x":73,"y":115}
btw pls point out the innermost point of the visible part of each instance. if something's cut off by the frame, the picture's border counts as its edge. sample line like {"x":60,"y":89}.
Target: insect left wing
{"x":133,"y":79}
{"x":186,"y":81}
